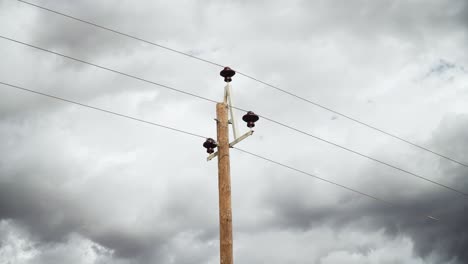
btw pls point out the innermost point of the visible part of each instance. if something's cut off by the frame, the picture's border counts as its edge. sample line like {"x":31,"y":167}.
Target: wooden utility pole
{"x":224,"y":173}
{"x":224,"y":185}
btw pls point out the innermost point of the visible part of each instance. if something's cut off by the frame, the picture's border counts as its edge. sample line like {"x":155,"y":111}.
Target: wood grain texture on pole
{"x":224,"y":185}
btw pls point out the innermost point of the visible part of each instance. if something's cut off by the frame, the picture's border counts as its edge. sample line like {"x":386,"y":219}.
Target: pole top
{"x":227,"y":73}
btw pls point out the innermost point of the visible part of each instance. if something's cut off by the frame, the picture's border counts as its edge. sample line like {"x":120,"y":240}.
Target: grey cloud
{"x":75,"y":38}
{"x":75,"y":178}
{"x":87,"y":41}
{"x":447,"y":237}
{"x":37,"y":197}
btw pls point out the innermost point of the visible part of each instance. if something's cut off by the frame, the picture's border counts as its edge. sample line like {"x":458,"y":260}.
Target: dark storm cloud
{"x":39,"y":191}
{"x":36,"y":209}
{"x":76,"y":38}
{"x":35,"y":196}
{"x":86,"y":41}
{"x":51,"y":217}
{"x":447,"y":237}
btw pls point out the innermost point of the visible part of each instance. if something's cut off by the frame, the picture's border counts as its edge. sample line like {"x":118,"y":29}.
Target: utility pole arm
{"x":231,"y":111}
{"x":239,"y":139}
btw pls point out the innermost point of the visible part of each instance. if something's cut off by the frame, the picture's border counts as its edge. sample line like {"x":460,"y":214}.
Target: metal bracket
{"x":237,"y":140}
{"x":228,"y":101}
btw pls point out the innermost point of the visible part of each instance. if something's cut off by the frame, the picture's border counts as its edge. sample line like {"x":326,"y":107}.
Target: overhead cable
{"x":264,"y":117}
{"x":252,"y":78}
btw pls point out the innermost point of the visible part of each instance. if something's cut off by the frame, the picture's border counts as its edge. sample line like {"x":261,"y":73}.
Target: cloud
{"x":445,"y":237}
{"x":79,"y":186}
{"x":18,"y":246}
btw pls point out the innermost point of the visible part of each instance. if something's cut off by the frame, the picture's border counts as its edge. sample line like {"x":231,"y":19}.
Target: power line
{"x":354,"y":120}
{"x":323,"y":179}
{"x":252,"y":78}
{"x":108,"y":69}
{"x":122,"y":34}
{"x":264,"y":117}
{"x":365,"y":156}
{"x":180,"y":131}
{"x":312,"y":175}
{"x":196,"y":135}
{"x":102,"y":110}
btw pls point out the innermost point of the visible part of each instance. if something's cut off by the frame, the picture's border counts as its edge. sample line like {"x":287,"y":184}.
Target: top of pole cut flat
{"x":227,"y":73}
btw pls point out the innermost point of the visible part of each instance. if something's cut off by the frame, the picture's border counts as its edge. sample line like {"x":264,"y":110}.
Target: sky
{"x":82,"y":186}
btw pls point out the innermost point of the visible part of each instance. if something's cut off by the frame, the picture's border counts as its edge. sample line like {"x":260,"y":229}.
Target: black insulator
{"x":250,"y":118}
{"x":210,"y":144}
{"x":227,"y":73}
